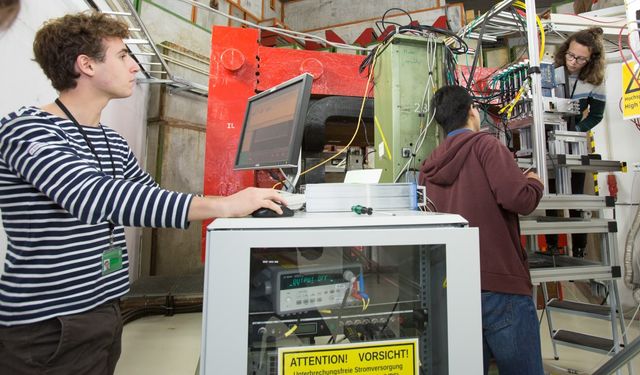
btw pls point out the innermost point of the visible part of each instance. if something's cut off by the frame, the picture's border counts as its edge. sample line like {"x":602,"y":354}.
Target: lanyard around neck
{"x":93,"y":150}
{"x":86,"y":138}
{"x":566,"y":83}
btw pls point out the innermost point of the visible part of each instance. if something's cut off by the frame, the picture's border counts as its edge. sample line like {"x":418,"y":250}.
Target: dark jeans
{"x":85,"y":343}
{"x":511,"y":334}
{"x":579,"y":240}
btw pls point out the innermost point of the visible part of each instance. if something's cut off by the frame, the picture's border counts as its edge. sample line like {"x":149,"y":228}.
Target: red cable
{"x":631,"y":49}
{"x":596,"y":20}
{"x":622,"y":55}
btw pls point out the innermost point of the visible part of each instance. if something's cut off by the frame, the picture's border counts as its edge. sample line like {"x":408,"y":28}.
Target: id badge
{"x":111,"y":260}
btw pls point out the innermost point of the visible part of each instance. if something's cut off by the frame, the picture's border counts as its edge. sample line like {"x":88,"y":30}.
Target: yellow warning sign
{"x":393,"y":357}
{"x":630,"y":91}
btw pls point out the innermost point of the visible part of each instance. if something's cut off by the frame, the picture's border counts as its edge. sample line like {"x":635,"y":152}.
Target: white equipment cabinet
{"x":341,"y":279}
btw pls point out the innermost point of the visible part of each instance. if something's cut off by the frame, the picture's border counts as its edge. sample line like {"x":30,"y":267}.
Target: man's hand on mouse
{"x":248,"y":200}
{"x":239,"y":204}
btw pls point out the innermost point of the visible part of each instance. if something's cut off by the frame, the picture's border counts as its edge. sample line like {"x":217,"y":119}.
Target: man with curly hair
{"x":69,"y":186}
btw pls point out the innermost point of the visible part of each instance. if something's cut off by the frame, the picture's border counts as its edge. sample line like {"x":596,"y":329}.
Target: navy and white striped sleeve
{"x":133,"y":172}
{"x":41,"y":156}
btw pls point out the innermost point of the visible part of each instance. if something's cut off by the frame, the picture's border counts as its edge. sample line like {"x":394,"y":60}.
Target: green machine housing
{"x":401,"y":74}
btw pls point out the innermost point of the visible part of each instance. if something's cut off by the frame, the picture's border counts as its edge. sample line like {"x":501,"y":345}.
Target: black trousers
{"x":86,"y":343}
{"x":579,"y":240}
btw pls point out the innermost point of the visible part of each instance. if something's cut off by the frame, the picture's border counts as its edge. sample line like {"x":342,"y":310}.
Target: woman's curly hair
{"x":593,"y":71}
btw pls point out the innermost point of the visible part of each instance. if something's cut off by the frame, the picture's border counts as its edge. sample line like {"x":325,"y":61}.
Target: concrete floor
{"x":577,"y":361}
{"x":171,"y":345}
{"x":159,"y":345}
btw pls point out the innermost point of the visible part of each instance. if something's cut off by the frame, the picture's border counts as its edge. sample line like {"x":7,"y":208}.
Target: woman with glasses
{"x":580,"y":66}
{"x":581,"y":57}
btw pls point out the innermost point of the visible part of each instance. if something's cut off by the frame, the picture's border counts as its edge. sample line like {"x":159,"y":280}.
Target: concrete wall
{"x":271,"y":13}
{"x":206,"y":19}
{"x":163,"y":26}
{"x":24,"y":84}
{"x":350,"y":32}
{"x":182,"y":145}
{"x":158,"y":14}
{"x":176,"y":148}
{"x":254,"y":7}
{"x":320,"y":14}
{"x":176,"y":139}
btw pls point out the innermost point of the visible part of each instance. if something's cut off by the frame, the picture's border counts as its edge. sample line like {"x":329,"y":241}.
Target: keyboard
{"x":294,"y":201}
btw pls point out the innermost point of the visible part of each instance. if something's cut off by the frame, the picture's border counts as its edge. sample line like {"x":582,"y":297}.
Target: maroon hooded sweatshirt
{"x":474,"y":175}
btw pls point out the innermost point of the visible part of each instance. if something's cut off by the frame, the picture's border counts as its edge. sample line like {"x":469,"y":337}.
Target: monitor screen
{"x":273,"y":126}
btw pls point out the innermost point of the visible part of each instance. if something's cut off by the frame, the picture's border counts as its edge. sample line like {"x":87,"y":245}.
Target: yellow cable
{"x":510,"y":106}
{"x":291,"y":331}
{"x":384,"y":139}
{"x":521,"y":5}
{"x":364,"y":100}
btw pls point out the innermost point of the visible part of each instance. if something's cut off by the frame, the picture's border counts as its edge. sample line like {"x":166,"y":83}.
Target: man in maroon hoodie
{"x":474,"y":175}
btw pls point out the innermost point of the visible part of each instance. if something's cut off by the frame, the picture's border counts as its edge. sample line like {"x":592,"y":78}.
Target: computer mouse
{"x":266,"y":212}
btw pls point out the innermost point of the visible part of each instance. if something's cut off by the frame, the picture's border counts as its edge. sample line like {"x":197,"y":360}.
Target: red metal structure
{"x":241,"y":67}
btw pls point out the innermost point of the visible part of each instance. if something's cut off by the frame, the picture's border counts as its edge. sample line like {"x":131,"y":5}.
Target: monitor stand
{"x":291,"y":181}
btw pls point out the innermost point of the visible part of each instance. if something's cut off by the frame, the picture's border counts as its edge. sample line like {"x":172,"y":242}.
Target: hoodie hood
{"x":446,"y":161}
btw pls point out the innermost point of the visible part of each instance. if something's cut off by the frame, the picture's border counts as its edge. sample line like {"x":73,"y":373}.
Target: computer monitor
{"x":273,"y":126}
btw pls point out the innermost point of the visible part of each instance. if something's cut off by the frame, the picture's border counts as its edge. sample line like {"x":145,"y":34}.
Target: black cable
{"x":450,"y":67}
{"x":340,"y":312}
{"x":507,"y":132}
{"x":366,"y":137}
{"x":606,"y":295}
{"x":130,"y":315}
{"x":478,"y":49}
{"x":461,"y":47}
{"x":386,"y":323}
{"x":488,"y":99}
{"x":284,"y":181}
{"x":391,"y":9}
{"x":485,"y":109}
{"x":272,"y":174}
{"x":380,"y":24}
{"x":476,"y":56}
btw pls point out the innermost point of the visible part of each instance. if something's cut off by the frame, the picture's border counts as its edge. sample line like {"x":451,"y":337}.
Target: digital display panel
{"x":293,"y":281}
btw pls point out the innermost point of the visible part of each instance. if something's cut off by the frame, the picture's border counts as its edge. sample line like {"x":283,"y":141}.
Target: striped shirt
{"x":57,"y":202}
{"x":593,"y":97}
{"x":588,"y":95}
